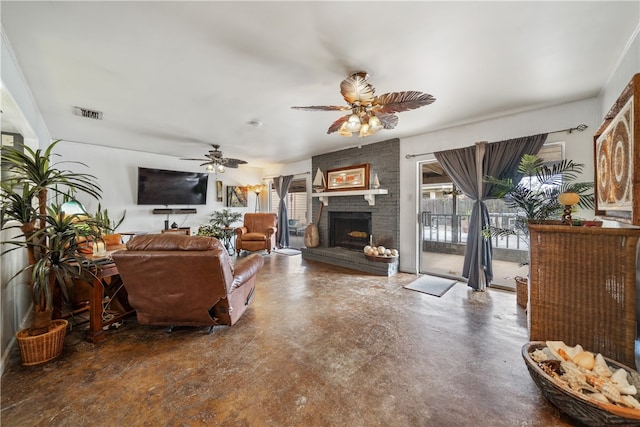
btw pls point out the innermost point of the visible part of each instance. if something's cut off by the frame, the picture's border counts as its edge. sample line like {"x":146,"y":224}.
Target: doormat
{"x":432,"y":285}
{"x":287,"y":251}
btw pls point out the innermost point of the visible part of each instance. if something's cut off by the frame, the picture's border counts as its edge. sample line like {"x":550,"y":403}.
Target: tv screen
{"x":165,"y":187}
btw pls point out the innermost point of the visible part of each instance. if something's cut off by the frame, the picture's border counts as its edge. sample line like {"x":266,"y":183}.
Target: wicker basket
{"x":522,"y":291}
{"x":577,"y":405}
{"x":582,"y":288}
{"x":42,"y":348}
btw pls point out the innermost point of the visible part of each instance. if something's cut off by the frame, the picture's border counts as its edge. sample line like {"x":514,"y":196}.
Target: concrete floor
{"x":319,"y":346}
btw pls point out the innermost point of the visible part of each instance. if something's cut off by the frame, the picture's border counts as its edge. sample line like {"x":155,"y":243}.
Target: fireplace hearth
{"x":350,"y":230}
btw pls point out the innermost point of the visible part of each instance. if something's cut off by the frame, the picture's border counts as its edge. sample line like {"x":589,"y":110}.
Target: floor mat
{"x":432,"y":285}
{"x":287,"y":251}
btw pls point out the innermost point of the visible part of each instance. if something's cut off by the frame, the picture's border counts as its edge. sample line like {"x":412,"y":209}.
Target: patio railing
{"x":447,"y":228}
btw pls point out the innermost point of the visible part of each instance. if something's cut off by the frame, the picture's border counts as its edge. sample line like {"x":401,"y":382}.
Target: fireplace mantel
{"x":369,"y":195}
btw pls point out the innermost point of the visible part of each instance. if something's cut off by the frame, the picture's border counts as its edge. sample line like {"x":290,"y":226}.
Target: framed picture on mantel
{"x":348,"y":178}
{"x":617,"y":156}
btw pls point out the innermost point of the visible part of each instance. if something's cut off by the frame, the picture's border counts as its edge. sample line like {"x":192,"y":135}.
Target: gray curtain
{"x":281,"y":185}
{"x":467,"y":168}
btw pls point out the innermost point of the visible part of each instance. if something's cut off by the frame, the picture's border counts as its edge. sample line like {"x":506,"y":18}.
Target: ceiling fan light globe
{"x":221,"y":168}
{"x":374,"y":124}
{"x":210,"y":168}
{"x":343,"y":130}
{"x":353,"y":123}
{"x":365,"y":130}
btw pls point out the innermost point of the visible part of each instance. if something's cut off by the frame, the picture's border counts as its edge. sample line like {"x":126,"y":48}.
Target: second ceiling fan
{"x":215,"y":161}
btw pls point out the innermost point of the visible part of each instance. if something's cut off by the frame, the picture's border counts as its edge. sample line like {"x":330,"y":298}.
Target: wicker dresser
{"x":582,"y":288}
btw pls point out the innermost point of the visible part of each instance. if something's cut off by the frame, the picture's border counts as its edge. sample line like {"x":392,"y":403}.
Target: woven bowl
{"x":381,"y":258}
{"x":577,"y":405}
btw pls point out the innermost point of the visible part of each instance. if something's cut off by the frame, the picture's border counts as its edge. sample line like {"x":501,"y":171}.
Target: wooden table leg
{"x":96,"y":333}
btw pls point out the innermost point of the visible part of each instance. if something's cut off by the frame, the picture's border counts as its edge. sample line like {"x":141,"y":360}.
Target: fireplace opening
{"x":349,"y":230}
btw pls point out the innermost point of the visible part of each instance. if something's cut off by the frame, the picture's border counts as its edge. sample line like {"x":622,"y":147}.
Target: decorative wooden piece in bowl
{"x":578,"y":405}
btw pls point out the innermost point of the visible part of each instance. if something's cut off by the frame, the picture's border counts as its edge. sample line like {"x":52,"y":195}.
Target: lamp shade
{"x":568,"y":199}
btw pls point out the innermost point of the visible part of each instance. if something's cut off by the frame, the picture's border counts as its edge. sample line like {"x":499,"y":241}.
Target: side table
{"x":106,"y":283}
{"x":227,"y":238}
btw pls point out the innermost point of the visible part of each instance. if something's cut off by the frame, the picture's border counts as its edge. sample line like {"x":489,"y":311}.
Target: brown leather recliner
{"x":257,"y":233}
{"x":179,"y":280}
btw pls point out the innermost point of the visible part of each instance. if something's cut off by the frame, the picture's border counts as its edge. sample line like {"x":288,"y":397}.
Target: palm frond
{"x":397,"y":102}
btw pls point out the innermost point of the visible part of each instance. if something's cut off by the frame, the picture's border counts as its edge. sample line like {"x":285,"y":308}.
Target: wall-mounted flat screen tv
{"x":166,"y":187}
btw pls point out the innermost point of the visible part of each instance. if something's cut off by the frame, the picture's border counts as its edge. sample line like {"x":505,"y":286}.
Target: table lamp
{"x":567,"y":200}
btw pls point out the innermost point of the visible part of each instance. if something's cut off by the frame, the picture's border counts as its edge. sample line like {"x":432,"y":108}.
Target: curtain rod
{"x":295,"y":174}
{"x":580,"y":128}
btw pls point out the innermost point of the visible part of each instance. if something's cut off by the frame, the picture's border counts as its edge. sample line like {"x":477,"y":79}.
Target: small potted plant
{"x":107,"y":226}
{"x":221,"y":222}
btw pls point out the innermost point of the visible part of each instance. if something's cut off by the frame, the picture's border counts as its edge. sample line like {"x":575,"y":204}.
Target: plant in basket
{"x":48,"y":235}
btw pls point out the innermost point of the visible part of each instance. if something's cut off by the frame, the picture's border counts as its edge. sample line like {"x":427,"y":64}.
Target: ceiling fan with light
{"x":215,"y":162}
{"x":369,"y":113}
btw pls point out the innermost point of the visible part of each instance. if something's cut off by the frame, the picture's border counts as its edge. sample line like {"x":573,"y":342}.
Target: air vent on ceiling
{"x":90,"y":114}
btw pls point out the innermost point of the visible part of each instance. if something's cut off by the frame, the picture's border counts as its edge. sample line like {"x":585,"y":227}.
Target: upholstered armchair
{"x":257,"y":233}
{"x":179,"y":280}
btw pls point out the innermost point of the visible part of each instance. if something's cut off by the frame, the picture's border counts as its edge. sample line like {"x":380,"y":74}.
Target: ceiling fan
{"x":370,"y":113}
{"x":216,"y":162}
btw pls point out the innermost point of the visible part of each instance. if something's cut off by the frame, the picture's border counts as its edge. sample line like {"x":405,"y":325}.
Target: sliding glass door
{"x":444,"y":223}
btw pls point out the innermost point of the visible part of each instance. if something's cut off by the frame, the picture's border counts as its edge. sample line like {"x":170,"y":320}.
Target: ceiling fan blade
{"x":227,"y":162}
{"x":389,"y":121}
{"x":356,"y":89}
{"x":335,"y":126}
{"x":396,"y":102}
{"x":322,"y":108}
{"x":200,"y":160}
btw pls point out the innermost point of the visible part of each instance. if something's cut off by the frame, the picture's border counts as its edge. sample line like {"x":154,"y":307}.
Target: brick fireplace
{"x":382,"y":219}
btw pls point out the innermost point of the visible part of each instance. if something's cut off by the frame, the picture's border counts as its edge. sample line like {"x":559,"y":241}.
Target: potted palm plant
{"x":48,"y":235}
{"x":535,"y":198}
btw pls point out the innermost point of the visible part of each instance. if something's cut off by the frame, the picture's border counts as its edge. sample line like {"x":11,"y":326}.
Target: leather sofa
{"x":257,"y":233}
{"x":178,"y":280}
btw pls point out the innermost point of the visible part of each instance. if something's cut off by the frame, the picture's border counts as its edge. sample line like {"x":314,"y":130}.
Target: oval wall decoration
{"x":617,"y":158}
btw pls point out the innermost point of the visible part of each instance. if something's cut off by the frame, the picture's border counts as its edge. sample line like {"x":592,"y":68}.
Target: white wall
{"x":578,"y":147}
{"x":116,"y":172}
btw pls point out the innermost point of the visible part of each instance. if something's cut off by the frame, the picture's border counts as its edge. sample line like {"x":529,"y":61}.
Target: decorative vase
{"x":38,"y":349}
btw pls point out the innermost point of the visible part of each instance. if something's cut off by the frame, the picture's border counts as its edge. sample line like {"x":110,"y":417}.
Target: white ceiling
{"x":172,"y":77}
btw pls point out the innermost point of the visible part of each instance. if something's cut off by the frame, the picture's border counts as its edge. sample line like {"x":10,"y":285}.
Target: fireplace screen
{"x":349,"y":230}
